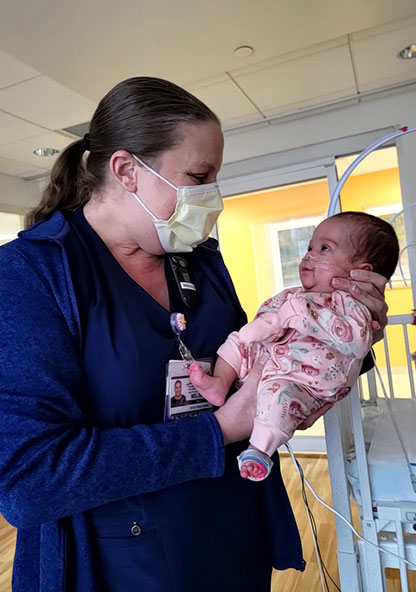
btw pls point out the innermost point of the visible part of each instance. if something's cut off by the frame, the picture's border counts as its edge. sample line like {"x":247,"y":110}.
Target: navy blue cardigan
{"x":54,"y":466}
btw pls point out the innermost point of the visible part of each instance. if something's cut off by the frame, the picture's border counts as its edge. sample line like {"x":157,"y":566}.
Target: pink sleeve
{"x":343,"y":323}
{"x":267,"y":324}
{"x":266,"y":327}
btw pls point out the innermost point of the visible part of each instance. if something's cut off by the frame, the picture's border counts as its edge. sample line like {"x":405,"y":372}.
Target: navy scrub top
{"x":205,"y":534}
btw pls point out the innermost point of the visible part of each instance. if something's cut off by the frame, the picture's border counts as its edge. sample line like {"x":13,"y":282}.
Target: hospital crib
{"x":360,"y":430}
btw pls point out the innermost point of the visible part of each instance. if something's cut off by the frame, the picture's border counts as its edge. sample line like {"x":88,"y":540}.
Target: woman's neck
{"x":146,"y":269}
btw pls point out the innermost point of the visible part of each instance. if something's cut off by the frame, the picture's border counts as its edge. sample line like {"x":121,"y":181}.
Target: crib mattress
{"x":388,"y":471}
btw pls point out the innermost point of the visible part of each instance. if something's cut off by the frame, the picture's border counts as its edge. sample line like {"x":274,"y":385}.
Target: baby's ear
{"x":366,"y":266}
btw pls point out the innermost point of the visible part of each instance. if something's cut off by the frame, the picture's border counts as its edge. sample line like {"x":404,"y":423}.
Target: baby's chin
{"x":317,"y":287}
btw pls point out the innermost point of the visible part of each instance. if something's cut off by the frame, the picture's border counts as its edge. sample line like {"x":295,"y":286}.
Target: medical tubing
{"x":314,"y":539}
{"x":357,"y":534}
{"x":335,"y":195}
{"x":318,"y":558}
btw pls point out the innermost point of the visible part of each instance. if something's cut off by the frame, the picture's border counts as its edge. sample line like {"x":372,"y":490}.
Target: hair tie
{"x":85,"y":143}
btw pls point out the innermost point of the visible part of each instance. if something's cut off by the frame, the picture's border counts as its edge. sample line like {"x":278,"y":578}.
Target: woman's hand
{"x":309,"y":421}
{"x":236,"y":416}
{"x":368,"y":288}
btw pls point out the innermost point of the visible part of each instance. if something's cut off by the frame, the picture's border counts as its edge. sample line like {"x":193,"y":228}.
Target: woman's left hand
{"x":368,"y":288}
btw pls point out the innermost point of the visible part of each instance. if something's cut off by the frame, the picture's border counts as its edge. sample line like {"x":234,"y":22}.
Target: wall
{"x":367,"y":115}
{"x":243,"y":224}
{"x":17,"y":195}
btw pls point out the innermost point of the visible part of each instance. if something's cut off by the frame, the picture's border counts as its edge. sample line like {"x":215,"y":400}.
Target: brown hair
{"x":374,"y":241}
{"x":141,"y":115}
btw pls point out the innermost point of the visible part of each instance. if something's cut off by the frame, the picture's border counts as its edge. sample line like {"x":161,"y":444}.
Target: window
{"x":10,"y":225}
{"x":289,"y":242}
{"x":387,"y":213}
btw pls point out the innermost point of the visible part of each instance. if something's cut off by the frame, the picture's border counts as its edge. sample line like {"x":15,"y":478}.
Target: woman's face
{"x":178,"y":390}
{"x":195,"y":160}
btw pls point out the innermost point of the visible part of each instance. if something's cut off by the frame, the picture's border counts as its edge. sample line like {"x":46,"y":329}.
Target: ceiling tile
{"x":228,"y":102}
{"x":305,"y":81}
{"x":376,"y":61}
{"x":386,"y":27}
{"x":15,"y":168}
{"x":13,"y":129}
{"x":12,"y":71}
{"x":22,"y":151}
{"x":210,"y":81}
{"x":45,"y":102}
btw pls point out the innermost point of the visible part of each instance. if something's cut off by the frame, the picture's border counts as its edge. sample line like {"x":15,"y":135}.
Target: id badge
{"x":182,"y":398}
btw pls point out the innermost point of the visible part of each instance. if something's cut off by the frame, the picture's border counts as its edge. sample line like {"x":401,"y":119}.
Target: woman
{"x":105,"y":496}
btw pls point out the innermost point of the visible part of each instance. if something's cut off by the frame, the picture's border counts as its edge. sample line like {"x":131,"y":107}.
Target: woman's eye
{"x":198,"y":178}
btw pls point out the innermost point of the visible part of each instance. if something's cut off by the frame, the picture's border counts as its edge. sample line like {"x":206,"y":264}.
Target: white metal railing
{"x":361,"y":566}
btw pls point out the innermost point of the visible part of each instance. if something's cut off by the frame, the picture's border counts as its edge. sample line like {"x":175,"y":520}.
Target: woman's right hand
{"x":236,"y":416}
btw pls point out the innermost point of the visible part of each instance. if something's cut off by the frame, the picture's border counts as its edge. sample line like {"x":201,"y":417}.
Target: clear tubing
{"x":314,"y":262}
{"x":335,"y":195}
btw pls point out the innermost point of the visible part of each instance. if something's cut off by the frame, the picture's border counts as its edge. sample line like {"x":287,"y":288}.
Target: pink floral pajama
{"x":316,"y":344}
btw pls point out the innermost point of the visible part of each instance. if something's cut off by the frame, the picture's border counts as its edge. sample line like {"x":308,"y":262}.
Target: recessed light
{"x":244,"y":51}
{"x":408,"y":52}
{"x":45,"y":151}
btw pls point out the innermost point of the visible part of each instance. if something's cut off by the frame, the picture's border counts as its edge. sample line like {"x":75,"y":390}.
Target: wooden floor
{"x":316,"y":471}
{"x":7,"y":543}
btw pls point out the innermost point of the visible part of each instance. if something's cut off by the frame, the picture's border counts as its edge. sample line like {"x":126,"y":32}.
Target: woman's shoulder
{"x":36,"y":245}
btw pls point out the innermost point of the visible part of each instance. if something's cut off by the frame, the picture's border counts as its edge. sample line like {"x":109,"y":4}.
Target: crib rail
{"x":361,"y":566}
{"x":369,"y":387}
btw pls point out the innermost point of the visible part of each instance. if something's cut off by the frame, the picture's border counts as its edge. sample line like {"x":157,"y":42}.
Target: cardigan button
{"x":135,"y":529}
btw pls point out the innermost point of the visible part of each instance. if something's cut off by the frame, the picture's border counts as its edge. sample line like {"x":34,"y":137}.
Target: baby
{"x":316,"y":337}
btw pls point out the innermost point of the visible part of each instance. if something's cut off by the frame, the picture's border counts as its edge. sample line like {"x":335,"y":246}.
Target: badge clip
{"x":178,"y":324}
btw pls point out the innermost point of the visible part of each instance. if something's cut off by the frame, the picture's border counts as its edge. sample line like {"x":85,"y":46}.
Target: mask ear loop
{"x":144,"y":206}
{"x":161,"y":177}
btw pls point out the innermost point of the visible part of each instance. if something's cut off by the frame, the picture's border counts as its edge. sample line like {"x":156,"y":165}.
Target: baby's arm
{"x":267,"y":324}
{"x":265,"y":327}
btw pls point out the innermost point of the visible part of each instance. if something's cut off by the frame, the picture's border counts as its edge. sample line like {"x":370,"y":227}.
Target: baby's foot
{"x":252,"y":470}
{"x":208,"y":386}
{"x":254,"y":464}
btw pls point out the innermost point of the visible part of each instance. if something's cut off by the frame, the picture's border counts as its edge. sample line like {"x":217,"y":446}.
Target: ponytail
{"x":63,"y":190}
{"x":141,"y":115}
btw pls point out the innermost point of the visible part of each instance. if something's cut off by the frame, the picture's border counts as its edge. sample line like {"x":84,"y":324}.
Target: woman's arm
{"x":53,"y":462}
{"x":236,"y":416}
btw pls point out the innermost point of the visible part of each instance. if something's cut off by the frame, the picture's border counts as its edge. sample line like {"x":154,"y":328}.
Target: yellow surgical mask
{"x":197,"y":210}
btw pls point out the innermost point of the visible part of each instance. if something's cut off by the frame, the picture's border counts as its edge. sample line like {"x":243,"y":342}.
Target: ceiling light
{"x":408,"y":52}
{"x":244,"y":51}
{"x":45,"y":151}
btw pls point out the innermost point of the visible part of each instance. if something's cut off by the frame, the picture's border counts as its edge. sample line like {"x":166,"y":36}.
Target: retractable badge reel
{"x":182,"y":398}
{"x":178,"y":324}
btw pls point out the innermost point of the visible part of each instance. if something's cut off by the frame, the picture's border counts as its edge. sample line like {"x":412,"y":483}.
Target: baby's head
{"x":346,"y":241}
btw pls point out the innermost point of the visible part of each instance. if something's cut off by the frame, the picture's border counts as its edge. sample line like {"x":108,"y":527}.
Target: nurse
{"x":106,"y":495}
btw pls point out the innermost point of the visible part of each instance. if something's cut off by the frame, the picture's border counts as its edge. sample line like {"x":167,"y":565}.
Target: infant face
{"x":330,"y":254}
